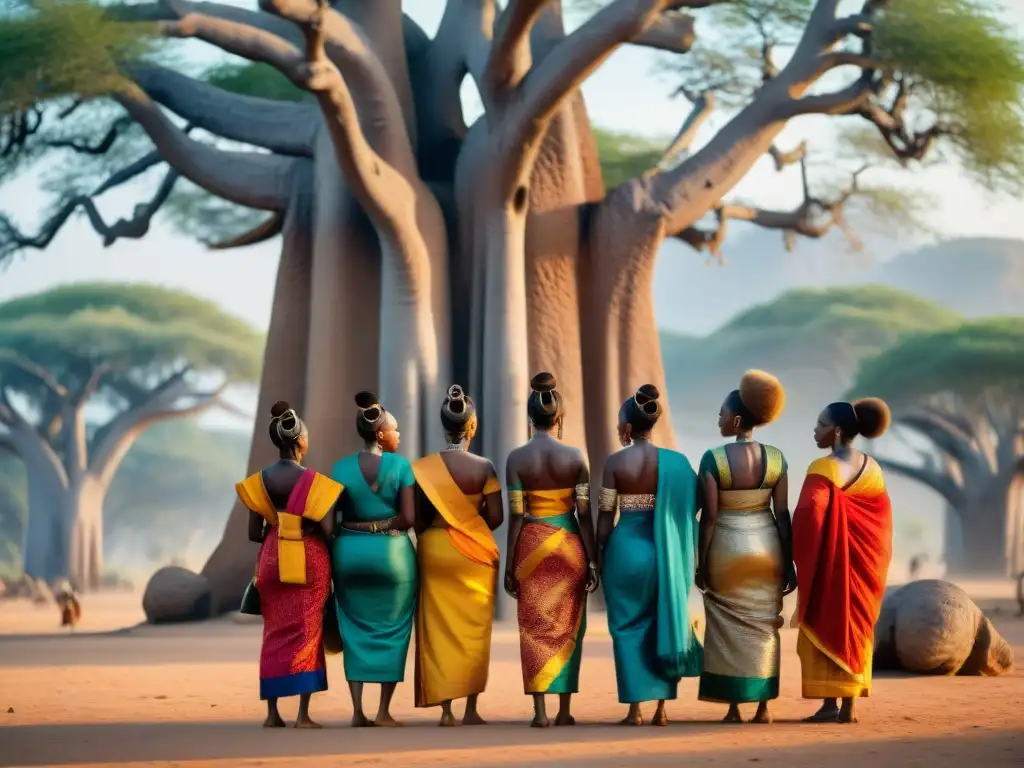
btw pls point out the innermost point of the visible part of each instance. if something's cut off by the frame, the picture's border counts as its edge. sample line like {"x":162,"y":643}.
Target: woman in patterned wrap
{"x":550,"y":568}
{"x":746,"y":562}
{"x":291,"y":515}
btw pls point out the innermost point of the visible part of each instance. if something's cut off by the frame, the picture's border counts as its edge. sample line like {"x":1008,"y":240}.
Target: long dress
{"x":648,"y":576}
{"x":458,"y":571}
{"x":842,"y":546}
{"x":743,"y":601}
{"x":374,"y":574}
{"x":551,"y":569}
{"x":293,"y":576}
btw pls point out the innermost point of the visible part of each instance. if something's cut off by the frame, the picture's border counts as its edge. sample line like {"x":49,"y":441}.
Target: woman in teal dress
{"x":647,"y":561}
{"x":373,"y":562}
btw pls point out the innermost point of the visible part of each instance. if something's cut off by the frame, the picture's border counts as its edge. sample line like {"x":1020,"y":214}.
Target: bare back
{"x":850,"y":467}
{"x":544,"y":464}
{"x":633,"y":470}
{"x":746,"y":464}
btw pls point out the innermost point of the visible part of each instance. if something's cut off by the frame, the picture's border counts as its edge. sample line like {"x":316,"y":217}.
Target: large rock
{"x":176,"y":594}
{"x":932,"y":627}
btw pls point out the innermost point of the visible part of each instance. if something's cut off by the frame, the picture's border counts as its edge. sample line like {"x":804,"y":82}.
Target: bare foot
{"x":732,"y":716}
{"x":273,"y":721}
{"x":847,"y":715}
{"x":763,"y":716}
{"x":307,"y":722}
{"x":540,"y":721}
{"x":633,"y":718}
{"x":473,"y":718}
{"x":447,"y":720}
{"x":565,"y":719}
{"x":660,"y":718}
{"x":386,"y":721}
{"x":359,"y":720}
{"x":823,"y":715}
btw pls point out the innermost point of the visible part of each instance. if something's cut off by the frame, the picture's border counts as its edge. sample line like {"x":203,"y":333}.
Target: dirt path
{"x":188,"y":696}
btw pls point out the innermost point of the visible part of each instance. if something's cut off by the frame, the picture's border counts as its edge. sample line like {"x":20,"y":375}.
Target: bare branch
{"x":90,"y":386}
{"x":842,"y":102}
{"x":101,"y":147}
{"x":10,"y":358}
{"x":939,"y":482}
{"x":237,"y":38}
{"x":510,"y":58}
{"x":671,"y":31}
{"x":17,"y":128}
{"x":134,"y":169}
{"x":170,"y":10}
{"x":134,"y":228}
{"x":948,"y":438}
{"x":255,"y":180}
{"x":783,"y":159}
{"x":286,"y":128}
{"x":703,"y":105}
{"x":268,"y":229}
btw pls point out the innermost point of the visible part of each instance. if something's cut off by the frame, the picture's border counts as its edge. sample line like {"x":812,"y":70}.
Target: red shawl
{"x":842,"y":545}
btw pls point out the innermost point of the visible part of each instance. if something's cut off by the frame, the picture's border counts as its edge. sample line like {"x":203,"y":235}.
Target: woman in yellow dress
{"x":458,"y":505}
{"x":551,"y":566}
{"x":746,"y":563}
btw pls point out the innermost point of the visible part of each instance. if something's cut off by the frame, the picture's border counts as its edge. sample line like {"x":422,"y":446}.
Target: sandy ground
{"x":187,"y":695}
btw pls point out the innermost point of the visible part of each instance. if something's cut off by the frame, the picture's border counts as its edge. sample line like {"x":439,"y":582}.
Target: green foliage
{"x":253,"y":79}
{"x":55,"y":48}
{"x":965,"y":360}
{"x":807,"y":337}
{"x":624,"y":156}
{"x":137,"y":330}
{"x":966,"y":68}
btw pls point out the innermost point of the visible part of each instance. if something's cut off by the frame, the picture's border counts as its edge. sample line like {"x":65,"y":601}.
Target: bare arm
{"x":515,"y":523}
{"x":424,"y":512}
{"x":406,"y":517}
{"x":707,"y":520}
{"x":607,"y":503}
{"x":494,"y":509}
{"x":327,"y":521}
{"x":780,"y":506}
{"x":583,"y":512}
{"x":256,"y":532}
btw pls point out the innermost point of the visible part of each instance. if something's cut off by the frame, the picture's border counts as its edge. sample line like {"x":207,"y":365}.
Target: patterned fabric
{"x":551,"y":568}
{"x":743,"y":599}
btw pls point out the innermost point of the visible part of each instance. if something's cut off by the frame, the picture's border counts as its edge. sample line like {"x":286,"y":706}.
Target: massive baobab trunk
{"x":486,"y":252}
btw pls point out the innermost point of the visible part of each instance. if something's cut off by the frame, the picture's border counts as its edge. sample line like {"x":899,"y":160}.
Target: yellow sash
{"x":291,"y":552}
{"x":468,"y":531}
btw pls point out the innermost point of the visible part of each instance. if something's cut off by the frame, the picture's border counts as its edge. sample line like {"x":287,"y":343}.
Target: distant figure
{"x":915,"y":565}
{"x":67,"y":602}
{"x":842,"y":545}
{"x":291,"y":516}
{"x":746,"y":560}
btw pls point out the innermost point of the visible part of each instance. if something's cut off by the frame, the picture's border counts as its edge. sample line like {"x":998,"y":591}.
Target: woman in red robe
{"x":842,"y":546}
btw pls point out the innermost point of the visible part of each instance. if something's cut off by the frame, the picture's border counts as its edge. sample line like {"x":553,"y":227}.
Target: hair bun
{"x":873,"y":417}
{"x":543,"y":382}
{"x":366,"y":399}
{"x":455,"y":393}
{"x":280,"y":407}
{"x":762,"y":395}
{"x":647,"y":393}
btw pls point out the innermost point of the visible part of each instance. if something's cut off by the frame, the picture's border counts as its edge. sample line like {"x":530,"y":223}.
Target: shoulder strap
{"x":722,"y":465}
{"x":774,"y":464}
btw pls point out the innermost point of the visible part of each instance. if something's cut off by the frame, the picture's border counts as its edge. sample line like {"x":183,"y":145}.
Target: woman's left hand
{"x":789,"y":580}
{"x":593,"y":579}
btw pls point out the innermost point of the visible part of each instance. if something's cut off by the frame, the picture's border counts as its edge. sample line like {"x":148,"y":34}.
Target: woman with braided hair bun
{"x":458,"y":505}
{"x":373,"y":560}
{"x":842,"y":545}
{"x":291,"y":515}
{"x":647,"y":560}
{"x":745,"y":552}
{"x":551,"y":566}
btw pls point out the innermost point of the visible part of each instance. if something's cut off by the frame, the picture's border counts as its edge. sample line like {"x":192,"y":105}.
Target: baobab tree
{"x":143,"y":354}
{"x":962,"y":391}
{"x":484,"y":252}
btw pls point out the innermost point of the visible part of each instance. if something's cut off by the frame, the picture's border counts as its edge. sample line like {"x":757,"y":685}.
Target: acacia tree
{"x":144,"y":355}
{"x":962,"y":390}
{"x":385,"y":198}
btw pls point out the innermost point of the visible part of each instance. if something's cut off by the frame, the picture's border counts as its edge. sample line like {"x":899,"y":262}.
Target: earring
{"x":839,"y":436}
{"x":559,"y":429}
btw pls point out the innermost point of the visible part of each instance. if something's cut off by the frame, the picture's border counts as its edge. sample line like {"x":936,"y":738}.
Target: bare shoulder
{"x":515,"y":456}
{"x":614,"y":460}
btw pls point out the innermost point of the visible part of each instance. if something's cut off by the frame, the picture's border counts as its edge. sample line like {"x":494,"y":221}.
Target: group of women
{"x":336,"y":555}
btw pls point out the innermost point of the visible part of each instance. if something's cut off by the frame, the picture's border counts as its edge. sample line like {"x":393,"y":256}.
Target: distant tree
{"x":962,"y":389}
{"x":142,"y":354}
{"x":813,"y":338}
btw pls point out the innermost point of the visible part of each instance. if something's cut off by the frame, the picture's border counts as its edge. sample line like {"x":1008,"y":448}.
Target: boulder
{"x":933,"y":627}
{"x":176,"y":594}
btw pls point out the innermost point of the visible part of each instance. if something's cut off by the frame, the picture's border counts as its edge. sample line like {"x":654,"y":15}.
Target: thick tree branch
{"x":510,"y":58}
{"x":939,"y":482}
{"x":283,"y":127}
{"x":26,"y":439}
{"x":946,"y":436}
{"x":240,"y":39}
{"x":13,"y":240}
{"x":38,"y":372}
{"x":266,"y":230}
{"x":170,"y":10}
{"x":703,"y":106}
{"x":783,"y":159}
{"x":670,"y":31}
{"x":251,"y":179}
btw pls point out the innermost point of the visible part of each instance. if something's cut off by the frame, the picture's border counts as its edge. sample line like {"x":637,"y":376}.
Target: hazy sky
{"x":625,"y":94}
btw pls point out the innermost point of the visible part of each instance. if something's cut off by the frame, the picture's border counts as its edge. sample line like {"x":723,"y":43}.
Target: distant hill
{"x":972,"y":276}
